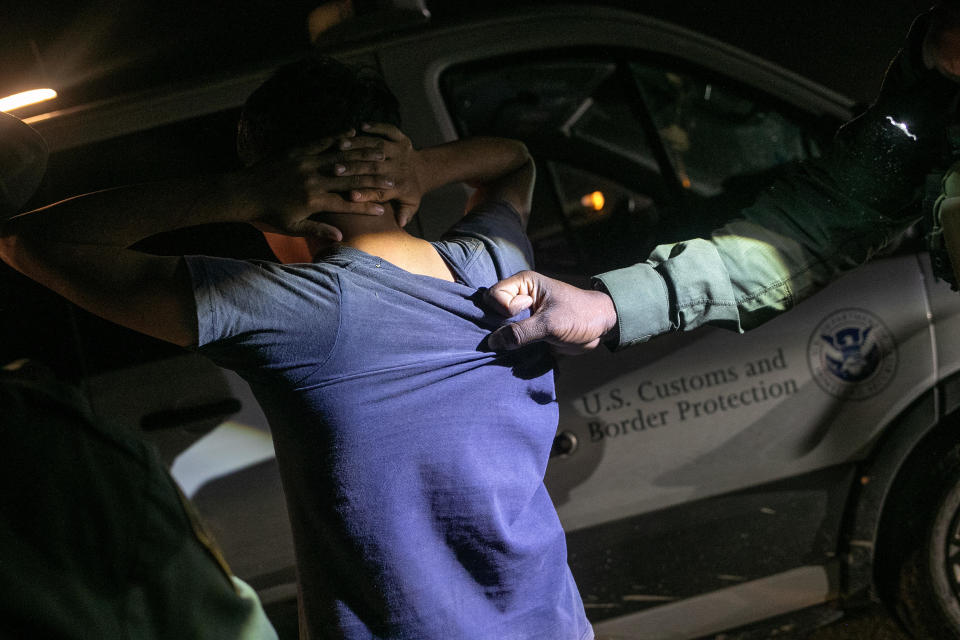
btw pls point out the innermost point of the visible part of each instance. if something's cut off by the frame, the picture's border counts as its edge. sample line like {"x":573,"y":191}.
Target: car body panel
{"x":689,"y":453}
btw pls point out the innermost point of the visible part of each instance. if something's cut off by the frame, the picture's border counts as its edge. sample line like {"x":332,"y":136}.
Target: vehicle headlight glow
{"x":25,"y":98}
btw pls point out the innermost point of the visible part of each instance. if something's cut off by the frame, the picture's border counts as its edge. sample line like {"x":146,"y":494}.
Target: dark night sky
{"x":98,"y":48}
{"x":844,"y":45}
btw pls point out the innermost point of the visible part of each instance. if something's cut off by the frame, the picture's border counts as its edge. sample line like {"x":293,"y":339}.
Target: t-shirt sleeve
{"x":497,"y":225}
{"x":262,"y":318}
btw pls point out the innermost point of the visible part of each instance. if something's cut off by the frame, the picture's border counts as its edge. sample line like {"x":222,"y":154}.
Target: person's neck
{"x":389,"y":244}
{"x":401,"y":249}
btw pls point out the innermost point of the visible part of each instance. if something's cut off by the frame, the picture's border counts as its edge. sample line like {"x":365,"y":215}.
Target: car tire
{"x":927,"y":595}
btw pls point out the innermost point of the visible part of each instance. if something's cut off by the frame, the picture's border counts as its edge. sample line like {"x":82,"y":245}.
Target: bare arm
{"x":499,"y":168}
{"x":80,"y":247}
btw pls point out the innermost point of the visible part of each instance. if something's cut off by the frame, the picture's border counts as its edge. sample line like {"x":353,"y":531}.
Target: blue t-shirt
{"x":412,"y":458}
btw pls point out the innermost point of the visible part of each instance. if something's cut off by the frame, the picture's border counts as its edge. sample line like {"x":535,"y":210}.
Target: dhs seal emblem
{"x":852,"y":354}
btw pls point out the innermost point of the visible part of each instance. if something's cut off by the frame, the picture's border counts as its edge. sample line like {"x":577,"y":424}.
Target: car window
{"x":712,"y":132}
{"x":593,"y":221}
{"x":631,"y":152}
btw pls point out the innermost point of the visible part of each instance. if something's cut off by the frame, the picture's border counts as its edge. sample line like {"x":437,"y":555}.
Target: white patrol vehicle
{"x":709,"y":482}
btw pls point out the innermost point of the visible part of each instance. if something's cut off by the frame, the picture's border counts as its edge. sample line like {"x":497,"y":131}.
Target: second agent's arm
{"x":825,"y":217}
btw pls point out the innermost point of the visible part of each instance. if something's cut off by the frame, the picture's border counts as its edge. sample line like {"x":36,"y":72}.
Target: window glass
{"x":576,"y":120}
{"x":712,"y":133}
{"x":596,"y":221}
{"x":630,"y":154}
{"x":575,"y":99}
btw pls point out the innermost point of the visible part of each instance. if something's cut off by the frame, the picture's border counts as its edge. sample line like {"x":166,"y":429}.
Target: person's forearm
{"x":122,"y":217}
{"x":475,"y":161}
{"x":500,"y":169}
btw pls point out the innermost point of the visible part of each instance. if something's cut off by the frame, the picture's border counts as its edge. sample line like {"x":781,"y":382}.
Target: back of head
{"x":308,"y":100}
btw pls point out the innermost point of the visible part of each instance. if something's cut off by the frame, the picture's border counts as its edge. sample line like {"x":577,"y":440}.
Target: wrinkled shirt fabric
{"x":412,"y":457}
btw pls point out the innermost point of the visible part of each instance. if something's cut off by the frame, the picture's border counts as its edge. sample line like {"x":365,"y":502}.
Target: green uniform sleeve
{"x":825,"y":217}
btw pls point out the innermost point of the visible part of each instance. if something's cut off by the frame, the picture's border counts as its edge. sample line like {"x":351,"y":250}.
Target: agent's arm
{"x":824,"y":218}
{"x":80,"y":247}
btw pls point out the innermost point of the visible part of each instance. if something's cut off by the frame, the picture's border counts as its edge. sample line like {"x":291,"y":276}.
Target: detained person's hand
{"x":399,"y":160}
{"x":572,"y":320}
{"x":283,"y":194}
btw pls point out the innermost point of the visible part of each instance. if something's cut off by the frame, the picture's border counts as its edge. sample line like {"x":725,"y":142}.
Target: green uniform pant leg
{"x":95,"y":541}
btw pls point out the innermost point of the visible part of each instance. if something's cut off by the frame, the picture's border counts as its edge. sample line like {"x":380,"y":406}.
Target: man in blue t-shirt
{"x":412,"y":457}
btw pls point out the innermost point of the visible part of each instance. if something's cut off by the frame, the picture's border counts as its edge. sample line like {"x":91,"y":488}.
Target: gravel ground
{"x":868,"y":625}
{"x":873,"y":625}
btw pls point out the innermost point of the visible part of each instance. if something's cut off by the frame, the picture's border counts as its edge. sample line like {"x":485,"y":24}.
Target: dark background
{"x":98,"y":49}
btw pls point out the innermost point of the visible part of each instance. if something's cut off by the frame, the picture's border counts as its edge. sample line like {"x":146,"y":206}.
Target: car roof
{"x":580,"y":25}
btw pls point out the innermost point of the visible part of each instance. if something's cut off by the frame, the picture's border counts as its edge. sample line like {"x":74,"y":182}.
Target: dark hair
{"x":308,"y":100}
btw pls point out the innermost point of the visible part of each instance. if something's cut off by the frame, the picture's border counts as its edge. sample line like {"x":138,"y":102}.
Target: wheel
{"x":927,"y":594}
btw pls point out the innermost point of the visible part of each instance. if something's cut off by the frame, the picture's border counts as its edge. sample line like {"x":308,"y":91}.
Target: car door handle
{"x":564,"y":444}
{"x":201,"y":417}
